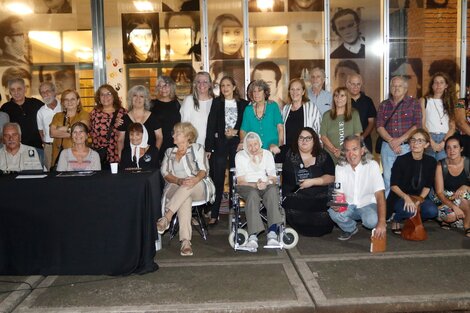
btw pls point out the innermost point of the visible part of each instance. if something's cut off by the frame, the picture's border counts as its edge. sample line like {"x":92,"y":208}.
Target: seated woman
{"x":309,"y":169}
{"x":185,"y":170}
{"x":80,"y":157}
{"x":139,"y":154}
{"x":412,"y":174}
{"x":452,"y":186}
{"x":256,"y":181}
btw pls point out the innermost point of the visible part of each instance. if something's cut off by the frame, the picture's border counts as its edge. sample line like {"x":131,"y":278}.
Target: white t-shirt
{"x":361,"y":184}
{"x":253,"y":172}
{"x":437,"y":121}
{"x":197,"y":118}
{"x":231,"y":113}
{"x":44,"y":119}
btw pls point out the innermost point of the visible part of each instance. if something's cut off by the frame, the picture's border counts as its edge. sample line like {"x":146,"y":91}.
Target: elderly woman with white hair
{"x":185,"y":169}
{"x":138,"y":104}
{"x":256,"y":181}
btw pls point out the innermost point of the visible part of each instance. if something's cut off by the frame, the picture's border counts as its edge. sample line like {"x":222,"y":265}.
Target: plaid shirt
{"x":406,"y":116}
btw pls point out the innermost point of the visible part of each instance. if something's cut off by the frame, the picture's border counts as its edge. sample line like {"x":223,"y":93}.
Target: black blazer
{"x":215,"y":136}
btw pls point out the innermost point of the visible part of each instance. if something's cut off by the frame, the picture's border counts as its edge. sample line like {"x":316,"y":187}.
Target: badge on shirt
{"x":31,"y":153}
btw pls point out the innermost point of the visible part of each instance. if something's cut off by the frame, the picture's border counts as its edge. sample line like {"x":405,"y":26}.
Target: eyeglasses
{"x":202,"y":82}
{"x":305,"y":139}
{"x":106,"y":94}
{"x":418,"y":141}
{"x":163,"y":86}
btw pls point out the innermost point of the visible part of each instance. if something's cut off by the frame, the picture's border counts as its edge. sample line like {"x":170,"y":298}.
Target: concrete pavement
{"x":318,"y":275}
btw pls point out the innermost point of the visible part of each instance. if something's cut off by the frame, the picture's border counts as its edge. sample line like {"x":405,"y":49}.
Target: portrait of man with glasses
{"x":13,"y":42}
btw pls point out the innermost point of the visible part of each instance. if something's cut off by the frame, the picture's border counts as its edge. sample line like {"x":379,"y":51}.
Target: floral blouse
{"x":99,"y":125}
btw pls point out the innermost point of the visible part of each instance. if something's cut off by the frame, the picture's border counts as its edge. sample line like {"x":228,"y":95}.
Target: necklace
{"x":256,"y":112}
{"x":439,"y":113}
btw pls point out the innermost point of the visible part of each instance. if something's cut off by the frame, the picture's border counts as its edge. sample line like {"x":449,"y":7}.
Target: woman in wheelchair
{"x":185,"y":170}
{"x":256,"y":181}
{"x":306,"y":173}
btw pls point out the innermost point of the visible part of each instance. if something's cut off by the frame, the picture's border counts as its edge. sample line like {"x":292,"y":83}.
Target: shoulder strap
{"x":425,"y":102}
{"x":393,"y":112}
{"x":445,"y":170}
{"x":110,"y":129}
{"x":466,"y":167}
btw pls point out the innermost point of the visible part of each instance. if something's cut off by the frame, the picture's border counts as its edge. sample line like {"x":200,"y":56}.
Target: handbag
{"x":413,"y":228}
{"x":378,"y":143}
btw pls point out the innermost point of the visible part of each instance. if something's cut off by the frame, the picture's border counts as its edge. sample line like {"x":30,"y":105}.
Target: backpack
{"x":466,"y":167}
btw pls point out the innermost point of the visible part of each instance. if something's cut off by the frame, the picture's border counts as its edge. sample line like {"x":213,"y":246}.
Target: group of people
{"x":323,"y":141}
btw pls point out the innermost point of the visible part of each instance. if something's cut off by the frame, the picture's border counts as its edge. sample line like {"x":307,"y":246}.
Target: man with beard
{"x":51,"y":106}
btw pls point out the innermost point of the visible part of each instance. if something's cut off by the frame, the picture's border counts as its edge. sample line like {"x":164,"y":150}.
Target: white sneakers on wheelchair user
{"x":251,"y":245}
{"x":273,"y":242}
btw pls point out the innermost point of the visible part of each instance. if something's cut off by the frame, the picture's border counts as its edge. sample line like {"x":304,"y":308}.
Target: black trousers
{"x":218,"y":166}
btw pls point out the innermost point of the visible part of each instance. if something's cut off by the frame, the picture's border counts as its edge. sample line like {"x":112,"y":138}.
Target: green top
{"x":266,"y":127}
{"x":336,"y":130}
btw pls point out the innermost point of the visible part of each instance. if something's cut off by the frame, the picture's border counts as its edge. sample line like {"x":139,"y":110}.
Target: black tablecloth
{"x":101,"y":224}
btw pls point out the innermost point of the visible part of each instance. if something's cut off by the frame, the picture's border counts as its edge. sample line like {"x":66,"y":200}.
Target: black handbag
{"x":378,"y":143}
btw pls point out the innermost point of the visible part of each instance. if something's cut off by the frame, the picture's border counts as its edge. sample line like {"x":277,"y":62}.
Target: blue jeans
{"x":428,"y":210}
{"x":388,"y":157}
{"x":347,"y":220}
{"x":437,"y":137}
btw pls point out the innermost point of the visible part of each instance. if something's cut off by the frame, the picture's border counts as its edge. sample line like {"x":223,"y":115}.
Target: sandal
{"x":213,"y":221}
{"x":162,"y":225}
{"x":186,"y":249}
{"x":467,"y":232}
{"x":444,"y":225}
{"x":396,"y":228}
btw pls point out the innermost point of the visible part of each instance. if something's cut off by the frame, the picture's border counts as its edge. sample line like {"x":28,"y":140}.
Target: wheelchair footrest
{"x":243,"y":248}
{"x":280,"y":246}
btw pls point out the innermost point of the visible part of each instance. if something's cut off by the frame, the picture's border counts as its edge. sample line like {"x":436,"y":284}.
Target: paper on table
{"x":30,"y":176}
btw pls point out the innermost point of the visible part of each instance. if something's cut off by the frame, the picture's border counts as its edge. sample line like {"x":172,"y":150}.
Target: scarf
{"x":135,"y":149}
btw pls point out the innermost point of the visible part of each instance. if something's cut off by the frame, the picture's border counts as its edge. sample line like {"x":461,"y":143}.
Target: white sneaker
{"x":252,"y":243}
{"x":272,"y":239}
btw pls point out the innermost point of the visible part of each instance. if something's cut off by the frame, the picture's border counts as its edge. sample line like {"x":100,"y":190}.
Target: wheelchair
{"x":238,"y":237}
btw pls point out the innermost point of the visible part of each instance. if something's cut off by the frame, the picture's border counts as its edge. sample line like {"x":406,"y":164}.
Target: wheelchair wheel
{"x":242,"y":237}
{"x":290,"y":238}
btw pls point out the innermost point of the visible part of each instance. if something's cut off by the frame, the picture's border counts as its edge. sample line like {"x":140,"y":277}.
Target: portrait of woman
{"x":226,"y":41}
{"x":140,"y":38}
{"x":305,"y":5}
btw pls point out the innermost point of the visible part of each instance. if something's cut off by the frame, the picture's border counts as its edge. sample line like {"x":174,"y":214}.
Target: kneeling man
{"x":14,"y":156}
{"x":358,"y":177}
